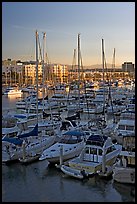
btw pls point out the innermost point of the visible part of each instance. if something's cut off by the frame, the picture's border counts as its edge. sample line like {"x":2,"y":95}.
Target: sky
{"x":62,"y":21}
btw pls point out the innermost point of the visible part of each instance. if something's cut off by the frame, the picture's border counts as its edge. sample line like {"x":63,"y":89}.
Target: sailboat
{"x":45,"y":140}
{"x":46,"y":124}
{"x":98,"y":153}
{"x":27,"y":147}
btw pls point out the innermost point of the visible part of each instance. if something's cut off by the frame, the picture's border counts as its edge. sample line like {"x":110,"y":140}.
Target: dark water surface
{"x":37,"y":182}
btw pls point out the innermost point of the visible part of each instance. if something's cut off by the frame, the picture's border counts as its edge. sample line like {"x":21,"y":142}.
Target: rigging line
{"x":113,"y":64}
{"x":109,"y":92}
{"x":73,"y":64}
{"x":84,"y":83}
{"x":48,"y":100}
{"x":40,"y":49}
{"x":85,"y":96}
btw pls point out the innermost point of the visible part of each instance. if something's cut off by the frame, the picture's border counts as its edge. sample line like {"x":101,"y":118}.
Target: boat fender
{"x":83,"y":172}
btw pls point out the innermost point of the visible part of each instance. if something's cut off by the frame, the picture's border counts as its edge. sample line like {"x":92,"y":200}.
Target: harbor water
{"x":38,"y":182}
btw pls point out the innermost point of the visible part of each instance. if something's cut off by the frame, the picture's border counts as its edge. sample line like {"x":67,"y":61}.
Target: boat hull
{"x":124,"y":175}
{"x":72,"y":172}
{"x":88,"y":166}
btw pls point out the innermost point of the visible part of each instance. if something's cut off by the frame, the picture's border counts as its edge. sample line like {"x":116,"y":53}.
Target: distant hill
{"x":100,"y":65}
{"x":94,"y":66}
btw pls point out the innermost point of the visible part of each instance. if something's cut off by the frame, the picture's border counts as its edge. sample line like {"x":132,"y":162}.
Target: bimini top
{"x":15,"y":141}
{"x":96,"y":140}
{"x":34,"y":132}
{"x":74,"y":133}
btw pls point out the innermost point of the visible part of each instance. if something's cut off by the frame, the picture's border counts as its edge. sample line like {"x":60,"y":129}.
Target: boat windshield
{"x":97,"y":140}
{"x":70,"y":139}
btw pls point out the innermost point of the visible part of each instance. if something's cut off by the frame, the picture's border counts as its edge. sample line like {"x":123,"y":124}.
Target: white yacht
{"x":124,"y":169}
{"x":12,"y":91}
{"x":69,"y":145}
{"x":125,"y":126}
{"x":98,"y":153}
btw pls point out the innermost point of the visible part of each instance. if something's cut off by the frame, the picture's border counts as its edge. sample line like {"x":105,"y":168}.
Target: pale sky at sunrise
{"x":62,"y":21}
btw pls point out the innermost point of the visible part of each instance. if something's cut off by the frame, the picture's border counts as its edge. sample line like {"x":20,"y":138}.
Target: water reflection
{"x":37,"y":182}
{"x":127,"y":191}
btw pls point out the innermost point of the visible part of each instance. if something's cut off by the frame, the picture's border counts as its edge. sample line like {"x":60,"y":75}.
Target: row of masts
{"x":79,"y":67}
{"x":42,"y":55}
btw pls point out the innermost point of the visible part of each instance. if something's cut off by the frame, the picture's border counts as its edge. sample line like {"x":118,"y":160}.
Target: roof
{"x":127,"y":122}
{"x":98,"y":140}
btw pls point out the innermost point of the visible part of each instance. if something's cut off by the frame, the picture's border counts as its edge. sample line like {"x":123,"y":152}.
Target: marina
{"x":68,"y":102}
{"x":25,"y":177}
{"x":72,"y":135}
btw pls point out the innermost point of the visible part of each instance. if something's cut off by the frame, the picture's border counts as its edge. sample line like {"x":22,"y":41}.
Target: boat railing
{"x":96,"y":143}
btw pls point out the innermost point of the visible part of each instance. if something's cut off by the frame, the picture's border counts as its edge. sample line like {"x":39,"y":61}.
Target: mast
{"x":73,"y":65}
{"x":113,"y":69}
{"x":113,"y":64}
{"x":73,"y":71}
{"x":15,"y":76}
{"x":10,"y":76}
{"x":6,"y":75}
{"x":43,"y":70}
{"x":103,"y":57}
{"x":37,"y":62}
{"x":79,"y":69}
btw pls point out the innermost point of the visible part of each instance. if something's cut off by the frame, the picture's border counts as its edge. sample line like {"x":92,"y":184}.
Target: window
{"x":110,"y":149}
{"x":93,"y":151}
{"x":130,"y":128}
{"x":100,"y":152}
{"x":121,"y":127}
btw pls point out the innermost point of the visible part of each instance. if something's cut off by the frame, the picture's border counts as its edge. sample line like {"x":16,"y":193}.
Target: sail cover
{"x":14,"y":140}
{"x":34,"y":132}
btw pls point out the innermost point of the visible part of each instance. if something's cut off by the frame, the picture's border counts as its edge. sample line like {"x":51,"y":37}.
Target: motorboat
{"x":124,"y":169}
{"x":12,"y":91}
{"x":73,"y":172}
{"x":125,"y":127}
{"x":98,"y":152}
{"x":69,"y":145}
{"x":29,"y":89}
